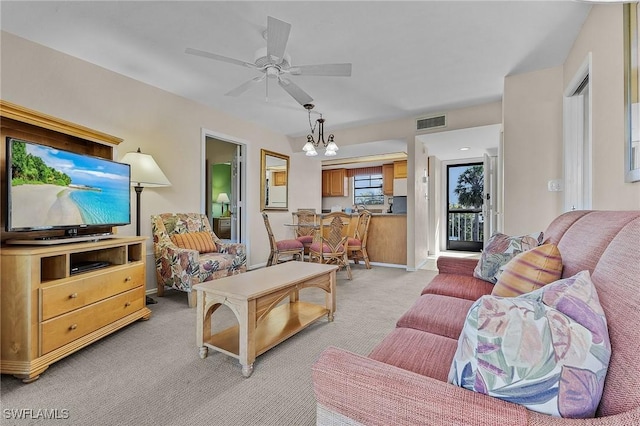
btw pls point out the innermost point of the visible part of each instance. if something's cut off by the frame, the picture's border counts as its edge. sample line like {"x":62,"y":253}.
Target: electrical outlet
{"x":554,"y":185}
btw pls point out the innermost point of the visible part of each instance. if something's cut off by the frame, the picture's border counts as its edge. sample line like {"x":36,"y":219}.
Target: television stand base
{"x":49,"y":241}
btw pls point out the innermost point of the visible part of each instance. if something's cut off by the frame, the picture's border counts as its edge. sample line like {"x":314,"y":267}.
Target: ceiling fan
{"x":274,"y":62}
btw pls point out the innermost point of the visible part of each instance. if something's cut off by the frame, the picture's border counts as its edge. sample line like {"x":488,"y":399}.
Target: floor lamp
{"x":144,"y":173}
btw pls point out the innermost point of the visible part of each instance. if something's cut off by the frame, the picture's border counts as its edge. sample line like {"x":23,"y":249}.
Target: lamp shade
{"x":223,"y":198}
{"x":144,"y":170}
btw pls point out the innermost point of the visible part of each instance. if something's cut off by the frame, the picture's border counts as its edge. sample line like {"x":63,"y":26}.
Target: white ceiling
{"x":409,"y":58}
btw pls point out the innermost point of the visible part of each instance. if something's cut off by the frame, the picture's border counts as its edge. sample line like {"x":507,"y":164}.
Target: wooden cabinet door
{"x":279,"y":178}
{"x":337,"y":182}
{"x":399,"y":169}
{"x":326,"y":183}
{"x":387,"y":179}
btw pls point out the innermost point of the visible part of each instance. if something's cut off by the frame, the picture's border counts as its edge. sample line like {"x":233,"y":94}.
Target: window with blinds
{"x":367,"y":189}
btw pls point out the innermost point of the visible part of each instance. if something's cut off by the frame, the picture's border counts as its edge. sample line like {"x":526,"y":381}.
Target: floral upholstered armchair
{"x":187,"y":252}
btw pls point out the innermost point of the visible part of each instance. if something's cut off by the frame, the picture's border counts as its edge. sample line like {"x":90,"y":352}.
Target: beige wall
{"x":533,"y":129}
{"x":532,"y":149}
{"x":417,"y":206}
{"x":162,"y":124}
{"x":602,"y":34}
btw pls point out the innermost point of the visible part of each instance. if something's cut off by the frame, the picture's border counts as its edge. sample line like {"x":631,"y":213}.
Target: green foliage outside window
{"x":470,"y":187}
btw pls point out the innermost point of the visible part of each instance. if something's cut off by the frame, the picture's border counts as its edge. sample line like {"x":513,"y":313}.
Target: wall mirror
{"x":274,"y":180}
{"x":632,"y":93}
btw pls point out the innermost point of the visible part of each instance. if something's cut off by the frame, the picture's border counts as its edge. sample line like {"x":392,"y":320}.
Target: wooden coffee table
{"x":254,"y":297}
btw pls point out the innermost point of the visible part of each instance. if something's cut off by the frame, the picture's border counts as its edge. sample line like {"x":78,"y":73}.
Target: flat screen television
{"x":50,"y":189}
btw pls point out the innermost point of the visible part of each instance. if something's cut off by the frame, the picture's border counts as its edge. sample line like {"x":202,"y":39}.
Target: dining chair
{"x":291,"y":247}
{"x":330,"y":244}
{"x":357,"y":244}
{"x":304,"y":234}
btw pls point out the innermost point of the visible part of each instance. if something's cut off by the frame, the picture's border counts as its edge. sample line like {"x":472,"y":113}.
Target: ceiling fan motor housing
{"x":262,"y":61}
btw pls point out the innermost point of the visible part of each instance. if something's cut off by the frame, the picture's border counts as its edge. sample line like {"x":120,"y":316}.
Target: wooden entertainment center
{"x":49,"y":313}
{"x":57,"y":299}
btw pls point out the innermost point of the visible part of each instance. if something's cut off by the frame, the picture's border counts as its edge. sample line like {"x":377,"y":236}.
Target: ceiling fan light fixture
{"x":310,"y":147}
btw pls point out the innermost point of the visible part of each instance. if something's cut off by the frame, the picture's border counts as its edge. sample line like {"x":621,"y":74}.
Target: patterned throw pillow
{"x":201,"y":241}
{"x":548,"y":350}
{"x":500,"y":249}
{"x":529,"y":271}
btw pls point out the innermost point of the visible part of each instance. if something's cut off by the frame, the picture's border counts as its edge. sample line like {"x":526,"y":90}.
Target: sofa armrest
{"x":374,"y":393}
{"x":456,"y":265}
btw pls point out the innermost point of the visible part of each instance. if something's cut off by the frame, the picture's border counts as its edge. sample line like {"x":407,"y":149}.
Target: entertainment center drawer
{"x":62,"y":298}
{"x":66,"y":328}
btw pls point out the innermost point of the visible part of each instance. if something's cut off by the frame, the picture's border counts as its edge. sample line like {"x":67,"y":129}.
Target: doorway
{"x":578,"y":163}
{"x":465,"y":199}
{"x":224,"y":190}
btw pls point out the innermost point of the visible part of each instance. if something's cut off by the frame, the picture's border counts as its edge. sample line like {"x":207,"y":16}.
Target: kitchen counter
{"x":387,"y":238}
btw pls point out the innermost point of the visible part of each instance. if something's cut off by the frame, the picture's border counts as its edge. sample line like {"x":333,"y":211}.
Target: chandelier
{"x":310,"y":147}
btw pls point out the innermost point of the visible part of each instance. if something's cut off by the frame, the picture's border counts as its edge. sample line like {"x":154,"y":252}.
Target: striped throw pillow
{"x":201,"y":241}
{"x":529,"y":271}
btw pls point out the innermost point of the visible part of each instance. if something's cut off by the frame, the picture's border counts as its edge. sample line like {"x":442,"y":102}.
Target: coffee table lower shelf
{"x":266,"y":304}
{"x":278,"y":325}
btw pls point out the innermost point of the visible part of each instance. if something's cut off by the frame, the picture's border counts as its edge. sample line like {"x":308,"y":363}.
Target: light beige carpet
{"x":150,"y":373}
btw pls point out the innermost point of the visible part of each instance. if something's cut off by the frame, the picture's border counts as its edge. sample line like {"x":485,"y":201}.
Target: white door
{"x":489,"y":197}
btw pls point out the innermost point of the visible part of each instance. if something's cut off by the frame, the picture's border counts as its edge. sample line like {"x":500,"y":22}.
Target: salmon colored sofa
{"x":403,"y":381}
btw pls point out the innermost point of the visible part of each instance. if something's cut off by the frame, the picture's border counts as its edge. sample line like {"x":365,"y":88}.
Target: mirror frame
{"x":631,"y":87}
{"x":263,"y":180}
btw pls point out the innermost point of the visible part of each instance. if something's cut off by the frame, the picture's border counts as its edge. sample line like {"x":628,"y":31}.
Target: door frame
{"x":239,"y":214}
{"x":469,"y":246}
{"x":577,"y":141}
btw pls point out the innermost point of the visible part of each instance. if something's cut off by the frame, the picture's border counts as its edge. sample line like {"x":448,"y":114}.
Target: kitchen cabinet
{"x":400,"y":169}
{"x":279,"y":178}
{"x":334,"y":183}
{"x":387,"y":179}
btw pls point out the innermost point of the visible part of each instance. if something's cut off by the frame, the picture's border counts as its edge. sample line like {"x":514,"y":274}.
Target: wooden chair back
{"x":327,"y":219}
{"x":362,"y":227}
{"x":302,"y":217}
{"x":272,"y":239}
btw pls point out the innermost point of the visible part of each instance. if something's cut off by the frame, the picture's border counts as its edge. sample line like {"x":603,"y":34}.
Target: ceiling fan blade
{"x":295,"y":91}
{"x":277,"y":37}
{"x":244,"y":86}
{"x":209,"y":55}
{"x":336,"y":70}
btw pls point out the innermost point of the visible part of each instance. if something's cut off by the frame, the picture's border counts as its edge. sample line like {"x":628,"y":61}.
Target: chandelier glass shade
{"x":309,"y":148}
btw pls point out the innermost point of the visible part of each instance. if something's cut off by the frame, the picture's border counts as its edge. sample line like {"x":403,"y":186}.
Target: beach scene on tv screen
{"x":51,"y":187}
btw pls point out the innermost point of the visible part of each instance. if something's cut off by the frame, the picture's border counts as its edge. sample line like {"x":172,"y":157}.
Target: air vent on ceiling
{"x":428,"y":123}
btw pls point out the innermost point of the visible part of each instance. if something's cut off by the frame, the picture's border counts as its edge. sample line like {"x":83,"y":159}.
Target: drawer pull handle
{"x":73,"y":326}
{"x":128,"y":279}
{"x":73,"y":296}
{"x":127,"y":304}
